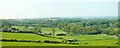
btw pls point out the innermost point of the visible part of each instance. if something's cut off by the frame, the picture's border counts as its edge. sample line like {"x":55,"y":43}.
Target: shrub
{"x":23,"y":40}
{"x":46,"y":41}
{"x":53,"y":37}
{"x":19,"y":40}
{"x":76,"y":43}
{"x":28,"y":41}
{"x":61,"y":38}
{"x":61,"y":34}
{"x":72,"y":40}
{"x":55,"y":42}
{"x":13,"y":40}
{"x":73,"y":43}
{"x":4,"y":40}
{"x":85,"y":43}
{"x":69,"y":43}
{"x":116,"y":43}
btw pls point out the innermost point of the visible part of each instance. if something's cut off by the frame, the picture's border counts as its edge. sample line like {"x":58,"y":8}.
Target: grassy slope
{"x":92,"y":40}
{"x":33,"y":44}
{"x":46,"y":30}
{"x":19,"y":27}
{"x":26,"y":36}
{"x":95,"y":40}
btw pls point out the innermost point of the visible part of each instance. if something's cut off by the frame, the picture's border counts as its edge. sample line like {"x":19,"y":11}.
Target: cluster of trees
{"x":70,"y":25}
{"x":90,"y":26}
{"x":76,"y":29}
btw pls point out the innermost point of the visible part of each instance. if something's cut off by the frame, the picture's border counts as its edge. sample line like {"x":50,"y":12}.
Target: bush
{"x":53,"y":37}
{"x":4,"y":40}
{"x":116,"y":43}
{"x":77,"y":43}
{"x":23,"y":40}
{"x":37,"y":41}
{"x":19,"y":40}
{"x":13,"y":40}
{"x":69,"y":43}
{"x":73,"y":43}
{"x":61,"y":34}
{"x":72,"y":40}
{"x":55,"y":42}
{"x":85,"y":43}
{"x":46,"y":41}
{"x":61,"y":38}
{"x":28,"y":41}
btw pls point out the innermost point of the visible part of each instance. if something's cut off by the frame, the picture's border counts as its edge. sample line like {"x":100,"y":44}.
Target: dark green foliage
{"x":75,"y":26}
{"x":85,"y":43}
{"x":14,"y":40}
{"x":46,"y":41}
{"x":61,"y":34}
{"x":56,"y":42}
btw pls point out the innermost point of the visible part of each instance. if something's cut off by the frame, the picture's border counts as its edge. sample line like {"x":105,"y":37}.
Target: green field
{"x":33,"y":44}
{"x":19,"y":27}
{"x":91,"y":40}
{"x":48,"y":30}
{"x":26,"y":36}
{"x":101,"y":40}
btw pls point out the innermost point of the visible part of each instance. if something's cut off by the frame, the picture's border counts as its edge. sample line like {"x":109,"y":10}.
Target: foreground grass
{"x":95,"y":40}
{"x":32,"y":44}
{"x":91,"y":40}
{"x":26,"y":36}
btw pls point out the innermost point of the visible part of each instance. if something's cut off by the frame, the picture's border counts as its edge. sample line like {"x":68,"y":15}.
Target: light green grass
{"x":33,"y":44}
{"x":48,"y":30}
{"x":19,"y":27}
{"x":92,"y":40}
{"x":26,"y":36}
{"x":95,"y":40}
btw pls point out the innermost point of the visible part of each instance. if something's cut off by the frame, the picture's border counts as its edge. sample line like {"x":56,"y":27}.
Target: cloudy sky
{"x":57,"y":8}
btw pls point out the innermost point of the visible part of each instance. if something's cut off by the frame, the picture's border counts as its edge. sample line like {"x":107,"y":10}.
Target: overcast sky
{"x":57,"y":8}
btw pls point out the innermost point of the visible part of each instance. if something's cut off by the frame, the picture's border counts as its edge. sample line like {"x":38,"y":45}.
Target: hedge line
{"x":48,"y":41}
{"x":36,"y":41}
{"x":14,"y":40}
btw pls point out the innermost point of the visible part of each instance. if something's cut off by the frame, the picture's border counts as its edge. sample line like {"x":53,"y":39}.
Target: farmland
{"x":59,"y":32}
{"x":90,"y":39}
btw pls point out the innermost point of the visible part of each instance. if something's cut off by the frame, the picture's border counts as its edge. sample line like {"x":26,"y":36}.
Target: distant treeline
{"x":70,"y":25}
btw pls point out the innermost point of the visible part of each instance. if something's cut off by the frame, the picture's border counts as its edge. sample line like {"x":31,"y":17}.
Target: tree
{"x":53,"y":32}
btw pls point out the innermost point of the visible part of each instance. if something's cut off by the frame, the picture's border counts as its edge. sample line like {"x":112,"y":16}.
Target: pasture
{"x":19,"y":27}
{"x":26,"y":36}
{"x":83,"y":40}
{"x":49,"y":30}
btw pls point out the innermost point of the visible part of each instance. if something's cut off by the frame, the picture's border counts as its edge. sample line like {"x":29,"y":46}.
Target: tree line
{"x":70,"y":25}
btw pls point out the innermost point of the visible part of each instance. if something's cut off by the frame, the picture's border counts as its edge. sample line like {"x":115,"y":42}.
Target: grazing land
{"x":102,"y":40}
{"x":59,"y":32}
